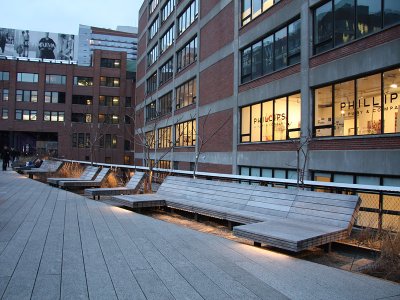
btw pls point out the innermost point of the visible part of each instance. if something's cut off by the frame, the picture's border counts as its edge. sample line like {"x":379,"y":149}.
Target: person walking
{"x":5,"y":155}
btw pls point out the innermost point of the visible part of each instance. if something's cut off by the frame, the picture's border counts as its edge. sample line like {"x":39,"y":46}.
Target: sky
{"x":65,"y":16}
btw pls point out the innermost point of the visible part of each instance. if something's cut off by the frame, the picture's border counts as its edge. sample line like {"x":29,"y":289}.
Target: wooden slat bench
{"x":131,"y":188}
{"x":88,"y":173}
{"x":47,"y":167}
{"x":284,"y":218}
{"x":101,"y":176}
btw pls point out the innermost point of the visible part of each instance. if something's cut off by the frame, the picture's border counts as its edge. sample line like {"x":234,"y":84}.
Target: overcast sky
{"x":65,"y":16}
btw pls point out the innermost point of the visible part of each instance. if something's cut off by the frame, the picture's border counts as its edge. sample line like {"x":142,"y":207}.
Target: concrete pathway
{"x":55,"y":244}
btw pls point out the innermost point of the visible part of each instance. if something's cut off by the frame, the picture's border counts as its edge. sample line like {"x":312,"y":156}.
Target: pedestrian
{"x":5,"y":155}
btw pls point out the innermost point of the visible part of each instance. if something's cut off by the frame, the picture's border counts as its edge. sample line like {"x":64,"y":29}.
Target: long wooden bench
{"x":284,"y":218}
{"x":100,"y":177}
{"x":47,"y":167}
{"x":89,"y":173}
{"x":131,"y":188}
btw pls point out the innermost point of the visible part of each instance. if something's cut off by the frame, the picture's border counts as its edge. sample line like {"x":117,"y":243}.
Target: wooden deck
{"x":55,"y":244}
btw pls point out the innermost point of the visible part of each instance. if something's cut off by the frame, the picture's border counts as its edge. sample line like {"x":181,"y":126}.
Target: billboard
{"x":37,"y":44}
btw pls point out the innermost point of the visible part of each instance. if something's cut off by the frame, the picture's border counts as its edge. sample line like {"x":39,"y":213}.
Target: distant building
{"x":124,"y":39}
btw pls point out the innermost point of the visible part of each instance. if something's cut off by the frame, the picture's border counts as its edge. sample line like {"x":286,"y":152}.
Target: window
{"x":356,"y":107}
{"x":166,"y":10}
{"x":5,"y":95}
{"x":4,"y":76}
{"x":26,"y":96}
{"x":81,"y":140}
{"x":151,"y":111}
{"x":165,"y":104}
{"x":186,"y":94}
{"x":25,"y":115}
{"x":81,"y":117}
{"x":188,"y":16}
{"x":54,"y":97}
{"x":338,"y":22}
{"x":153,"y":5}
{"x":151,"y":83}
{"x":4,"y":114}
{"x":82,"y":99}
{"x":110,"y":63}
{"x":127,"y":145}
{"x":253,"y":8}
{"x":108,"y":101}
{"x":150,"y":139}
{"x":128,"y":102}
{"x":153,"y":29}
{"x":185,"y":134}
{"x":274,"y":52}
{"x":167,"y":39}
{"x":27,"y":77}
{"x":268,"y":172}
{"x":53,"y":116}
{"x":109,"y":81}
{"x":56,"y":79}
{"x":272,"y":120}
{"x":127,"y":119}
{"x":108,"y":119}
{"x":165,"y":137}
{"x":152,"y":55}
{"x":166,"y":71}
{"x":187,"y":55}
{"x":83,"y":81}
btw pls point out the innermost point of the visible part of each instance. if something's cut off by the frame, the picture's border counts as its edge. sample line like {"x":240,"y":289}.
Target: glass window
{"x":272,"y":120}
{"x":246,"y":11}
{"x":256,"y":8}
{"x":186,"y":94}
{"x":391,"y":90}
{"x":256,"y":59}
{"x":344,"y":21}
{"x":4,"y":113}
{"x":151,"y":111}
{"x":27,"y":77}
{"x":187,"y":55}
{"x":83,"y":81}
{"x":251,"y":9}
{"x":323,"y":111}
{"x":167,"y":9}
{"x":165,"y":104}
{"x":108,"y":101}
{"x":167,"y":39}
{"x":392,"y":12}
{"x":369,"y":17}
{"x":294,"y":42}
{"x":151,"y":83}
{"x":166,"y":71}
{"x":165,"y":137}
{"x":153,"y":5}
{"x":188,"y":17}
{"x":56,"y":79}
{"x":4,"y":76}
{"x":110,"y":63}
{"x":246,"y":65}
{"x":109,"y":81}
{"x":54,"y":97}
{"x":152,"y":55}
{"x":153,"y":29}
{"x":323,"y":27}
{"x":344,"y":108}
{"x":185,"y":134}
{"x":369,"y":105}
{"x":268,"y":54}
{"x":359,"y":112}
{"x":280,"y":48}
{"x":5,"y":95}
{"x":83,"y":99}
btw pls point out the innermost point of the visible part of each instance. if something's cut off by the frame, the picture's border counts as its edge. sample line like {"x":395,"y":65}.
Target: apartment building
{"x":62,"y":109}
{"x":242,"y":87}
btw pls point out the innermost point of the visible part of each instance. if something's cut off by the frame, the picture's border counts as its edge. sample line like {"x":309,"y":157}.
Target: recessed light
{"x":393,"y":86}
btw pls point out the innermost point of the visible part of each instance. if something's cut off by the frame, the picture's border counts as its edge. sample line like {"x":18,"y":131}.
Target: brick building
{"x":277,"y":74}
{"x":67,"y":110}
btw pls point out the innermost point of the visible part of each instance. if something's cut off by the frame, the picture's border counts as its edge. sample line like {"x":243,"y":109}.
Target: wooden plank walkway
{"x":58,"y":245}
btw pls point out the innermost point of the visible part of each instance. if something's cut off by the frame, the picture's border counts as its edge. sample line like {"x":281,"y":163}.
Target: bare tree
{"x":202,"y":139}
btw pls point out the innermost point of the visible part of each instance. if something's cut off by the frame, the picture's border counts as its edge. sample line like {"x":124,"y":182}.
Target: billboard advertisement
{"x":37,"y":44}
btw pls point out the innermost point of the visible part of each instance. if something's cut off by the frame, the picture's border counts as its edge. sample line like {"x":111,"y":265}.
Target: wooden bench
{"x":131,"y":188}
{"x":284,"y":218}
{"x":88,"y":173}
{"x":47,"y":167}
{"x":101,"y":176}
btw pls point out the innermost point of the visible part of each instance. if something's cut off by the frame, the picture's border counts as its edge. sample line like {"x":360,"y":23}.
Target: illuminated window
{"x":272,"y":120}
{"x":186,"y":94}
{"x":185,"y":134}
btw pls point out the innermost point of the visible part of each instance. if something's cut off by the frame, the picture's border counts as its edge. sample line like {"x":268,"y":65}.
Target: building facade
{"x":242,"y":87}
{"x":66,"y":110}
{"x":124,"y":39}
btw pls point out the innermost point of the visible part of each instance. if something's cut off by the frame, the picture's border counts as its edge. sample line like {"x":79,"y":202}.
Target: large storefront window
{"x":272,"y":120}
{"x":355,"y":107}
{"x":338,"y":22}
